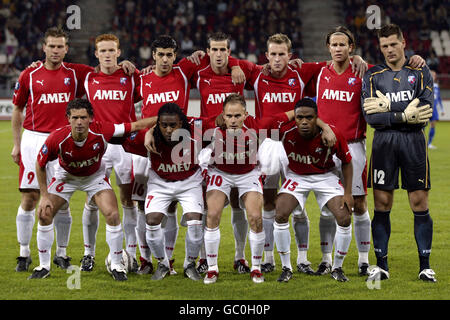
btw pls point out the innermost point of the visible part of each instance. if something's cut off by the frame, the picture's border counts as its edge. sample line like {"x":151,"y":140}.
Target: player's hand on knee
{"x":347,"y":202}
{"x":45,"y":209}
{"x":376,"y":105}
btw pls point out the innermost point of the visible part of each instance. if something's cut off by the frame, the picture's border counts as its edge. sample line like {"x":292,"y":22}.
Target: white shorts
{"x":64,"y":184}
{"x":273,"y":158}
{"x":359,"y":164}
{"x":325,"y":187}
{"x":141,"y":166}
{"x":161,"y":193}
{"x":115,"y":157}
{"x":272,"y":181}
{"x":223,"y":181}
{"x":30,"y":145}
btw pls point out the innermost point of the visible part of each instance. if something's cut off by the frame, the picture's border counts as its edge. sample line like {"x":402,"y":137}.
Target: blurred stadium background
{"x":425,"y":23}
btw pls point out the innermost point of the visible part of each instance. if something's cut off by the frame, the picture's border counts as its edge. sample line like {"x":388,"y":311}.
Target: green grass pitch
{"x":99,"y":285}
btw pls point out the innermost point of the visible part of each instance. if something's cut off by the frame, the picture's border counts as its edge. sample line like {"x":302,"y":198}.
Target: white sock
{"x":155,"y":240}
{"x":45,"y":238}
{"x":256,"y":240}
{"x":144,"y":249}
{"x":129,"y":227}
{"x":240,"y":229}
{"x":362,"y":236}
{"x":170,"y":234}
{"x":24,"y":224}
{"x":282,"y":238}
{"x":202,"y":254}
{"x":268,"y":220}
{"x":301,"y":232}
{"x":327,"y":230}
{"x":194,"y":240}
{"x":63,"y":224}
{"x":212,"y":242}
{"x":114,"y":239}
{"x":90,"y":227}
{"x":342,"y":243}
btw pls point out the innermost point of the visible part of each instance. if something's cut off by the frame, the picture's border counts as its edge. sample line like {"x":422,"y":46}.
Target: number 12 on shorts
{"x":378,"y":176}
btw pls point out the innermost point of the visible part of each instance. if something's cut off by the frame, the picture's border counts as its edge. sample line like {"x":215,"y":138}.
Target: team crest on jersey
{"x":411,"y":79}
{"x":123,"y":81}
{"x":67,"y":81}
{"x":95,"y":146}
{"x":133,"y":135}
{"x":351,"y":81}
{"x":318,"y":150}
{"x":44,"y":149}
{"x":292,"y":82}
{"x":17,"y":86}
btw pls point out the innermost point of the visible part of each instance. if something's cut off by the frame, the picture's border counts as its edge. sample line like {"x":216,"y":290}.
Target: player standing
{"x":44,"y":90}
{"x":112,"y":94}
{"x":396,"y":100}
{"x":215,"y":83}
{"x":79,"y":148}
{"x":236,"y":168}
{"x":339,"y":104}
{"x":274,"y":93}
{"x":174,"y":175}
{"x":166,"y":83}
{"x":310,"y":168}
{"x":437,"y":106}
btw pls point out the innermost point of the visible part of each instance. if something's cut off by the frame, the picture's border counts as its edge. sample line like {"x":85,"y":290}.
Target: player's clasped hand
{"x":376,"y":105}
{"x":416,"y":115}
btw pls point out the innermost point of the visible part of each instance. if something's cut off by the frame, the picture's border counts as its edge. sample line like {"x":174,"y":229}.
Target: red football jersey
{"x":312,"y":156}
{"x":274,"y":95}
{"x":168,"y":164}
{"x":80,"y":159}
{"x":113,"y":96}
{"x":174,"y":87}
{"x":339,"y":102}
{"x":215,"y":88}
{"x":45,"y":93}
{"x":238,"y":155}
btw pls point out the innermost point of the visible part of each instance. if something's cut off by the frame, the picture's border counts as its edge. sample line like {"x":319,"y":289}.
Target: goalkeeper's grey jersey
{"x":401,"y":87}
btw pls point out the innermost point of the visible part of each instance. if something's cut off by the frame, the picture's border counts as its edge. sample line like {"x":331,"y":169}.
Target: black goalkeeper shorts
{"x":397,"y":150}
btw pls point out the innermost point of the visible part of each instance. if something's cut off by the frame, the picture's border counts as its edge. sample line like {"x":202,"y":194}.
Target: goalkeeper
{"x":397,"y":102}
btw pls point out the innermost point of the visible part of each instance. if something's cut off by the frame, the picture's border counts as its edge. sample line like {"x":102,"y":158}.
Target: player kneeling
{"x":174,"y":175}
{"x":234,"y":166}
{"x":79,"y":148}
{"x":310,"y":169}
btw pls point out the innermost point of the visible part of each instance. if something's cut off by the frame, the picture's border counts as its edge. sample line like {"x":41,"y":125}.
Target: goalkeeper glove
{"x":414,"y":115}
{"x":377,"y":105}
